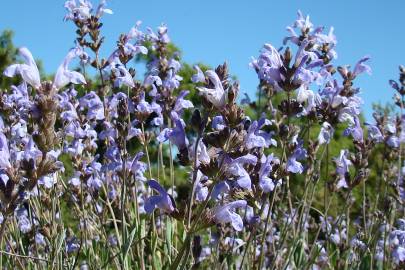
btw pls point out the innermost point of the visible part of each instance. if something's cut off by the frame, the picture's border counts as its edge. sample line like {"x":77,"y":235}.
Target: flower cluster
{"x":171,"y":171}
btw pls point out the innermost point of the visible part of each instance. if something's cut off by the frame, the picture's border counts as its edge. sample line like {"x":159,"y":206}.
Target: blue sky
{"x":215,"y":31}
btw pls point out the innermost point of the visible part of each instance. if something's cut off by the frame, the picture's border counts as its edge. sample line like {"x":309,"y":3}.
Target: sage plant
{"x":101,"y":170}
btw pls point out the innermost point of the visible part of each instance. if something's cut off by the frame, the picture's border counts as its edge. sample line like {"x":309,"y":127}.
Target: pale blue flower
{"x":162,"y":201}
{"x":361,"y":67}
{"x":28,"y":71}
{"x":182,"y":103}
{"x":220,"y":188}
{"x":258,"y":138}
{"x":326,"y":133}
{"x":94,"y":106}
{"x":40,"y":239}
{"x":176,"y":135}
{"x":79,"y":12}
{"x":234,"y":167}
{"x":292,"y":163}
{"x":265,"y":182}
{"x":199,"y":77}
{"x":31,"y":152}
{"x":201,"y":191}
{"x":64,"y":76}
{"x":214,"y":95}
{"x":355,"y":130}
{"x":23,"y":220}
{"x":342,"y":168}
{"x":393,"y":141}
{"x":218,"y":123}
{"x":101,"y":9}
{"x":226,"y":214}
{"x":122,"y":75}
{"x":138,"y":167}
{"x":374,"y":133}
{"x":4,"y":152}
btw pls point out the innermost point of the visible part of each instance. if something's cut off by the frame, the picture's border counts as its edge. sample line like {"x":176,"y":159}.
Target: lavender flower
{"x":356,"y":130}
{"x":101,"y":9}
{"x":201,"y":191}
{"x":235,"y":168}
{"x":24,"y":223}
{"x":326,"y":133}
{"x":215,"y":95}
{"x":64,"y":76}
{"x":361,"y":67}
{"x":94,"y":106}
{"x":220,"y":188}
{"x":138,"y":167}
{"x":182,"y":103}
{"x":269,"y":66}
{"x":199,"y":76}
{"x":162,"y":201}
{"x":292,"y":164}
{"x":258,"y":138}
{"x":218,"y":123}
{"x":28,"y":71}
{"x":82,"y":11}
{"x":161,"y":36}
{"x":78,"y":12}
{"x":265,"y":182}
{"x":122,"y":75}
{"x":225,"y":214}
{"x":176,"y":135}
{"x":374,"y":133}
{"x":4,"y":152}
{"x":342,"y":168}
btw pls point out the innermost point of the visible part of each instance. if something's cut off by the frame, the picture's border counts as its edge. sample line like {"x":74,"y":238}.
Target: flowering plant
{"x":101,"y":170}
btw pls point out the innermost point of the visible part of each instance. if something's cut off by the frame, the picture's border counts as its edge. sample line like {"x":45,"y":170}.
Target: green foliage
{"x":8,"y":55}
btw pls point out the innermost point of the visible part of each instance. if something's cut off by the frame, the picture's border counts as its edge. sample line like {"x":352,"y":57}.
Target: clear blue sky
{"x":214,"y":31}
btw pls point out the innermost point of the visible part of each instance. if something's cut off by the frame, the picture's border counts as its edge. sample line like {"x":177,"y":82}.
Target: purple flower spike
{"x":162,"y":201}
{"x":28,"y":71}
{"x":225,"y":214}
